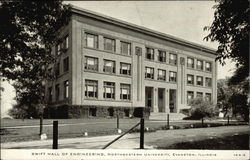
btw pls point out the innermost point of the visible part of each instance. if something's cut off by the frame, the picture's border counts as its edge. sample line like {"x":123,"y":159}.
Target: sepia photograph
{"x":124,"y":80}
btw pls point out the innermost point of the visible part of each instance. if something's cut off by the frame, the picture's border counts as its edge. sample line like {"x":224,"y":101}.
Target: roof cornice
{"x":137,"y":28}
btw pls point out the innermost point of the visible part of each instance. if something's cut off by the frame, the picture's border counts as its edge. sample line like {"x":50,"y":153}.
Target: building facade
{"x":107,"y":66}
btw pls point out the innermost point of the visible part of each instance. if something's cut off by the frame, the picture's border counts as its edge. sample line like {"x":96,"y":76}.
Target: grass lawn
{"x":235,"y":142}
{"x":76,"y":127}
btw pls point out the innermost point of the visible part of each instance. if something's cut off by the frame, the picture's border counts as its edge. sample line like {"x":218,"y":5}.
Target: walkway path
{"x":90,"y":123}
{"x":131,"y":141}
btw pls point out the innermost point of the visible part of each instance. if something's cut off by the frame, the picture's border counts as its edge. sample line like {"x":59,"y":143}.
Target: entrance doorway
{"x":172,"y":101}
{"x":149,"y":98}
{"x":161,"y":99}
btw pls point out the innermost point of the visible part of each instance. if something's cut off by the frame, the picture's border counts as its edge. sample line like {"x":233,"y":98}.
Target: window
{"x":190,"y":62}
{"x":199,"y":81}
{"x":66,"y":64}
{"x":109,"y":66}
{"x":58,"y":49}
{"x":161,"y":75}
{"x":50,"y":94}
{"x":208,"y":97}
{"x":208,"y":82}
{"x":149,"y":73}
{"x":208,"y":66}
{"x":125,"y":69}
{"x":161,"y":56}
{"x":190,"y":79}
{"x":199,"y":94}
{"x":173,"y":59}
{"x":91,"y":40}
{"x":190,"y":96}
{"x":57,"y":69}
{"x":150,"y":53}
{"x":91,"y":89}
{"x":91,"y":63}
{"x":172,"y":76}
{"x":109,"y":44}
{"x":109,"y":90}
{"x":199,"y":65}
{"x":125,"y":92}
{"x":125,"y":48}
{"x":57,"y":88}
{"x":66,"y":89}
{"x":65,"y":44}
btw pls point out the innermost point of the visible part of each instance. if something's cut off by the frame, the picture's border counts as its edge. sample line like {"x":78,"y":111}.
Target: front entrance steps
{"x":163,"y":116}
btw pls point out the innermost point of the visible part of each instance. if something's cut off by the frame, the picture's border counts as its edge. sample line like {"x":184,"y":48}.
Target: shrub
{"x":185,"y":111}
{"x":201,"y":108}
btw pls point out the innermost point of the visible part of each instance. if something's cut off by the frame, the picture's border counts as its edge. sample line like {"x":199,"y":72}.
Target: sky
{"x":183,"y":19}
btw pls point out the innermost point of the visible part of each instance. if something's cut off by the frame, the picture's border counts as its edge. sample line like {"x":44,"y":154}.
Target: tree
{"x":201,"y":108}
{"x":223,"y":95}
{"x":230,"y":28}
{"x":233,"y":99}
{"x":28,"y":31}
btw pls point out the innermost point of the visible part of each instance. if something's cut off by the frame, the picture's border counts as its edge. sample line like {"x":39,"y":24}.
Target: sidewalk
{"x":91,"y":123}
{"x":131,"y":141}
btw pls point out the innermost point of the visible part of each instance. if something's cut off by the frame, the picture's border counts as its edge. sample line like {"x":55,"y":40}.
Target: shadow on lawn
{"x":235,"y":142}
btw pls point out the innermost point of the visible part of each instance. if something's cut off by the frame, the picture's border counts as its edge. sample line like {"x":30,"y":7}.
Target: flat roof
{"x":141,"y":29}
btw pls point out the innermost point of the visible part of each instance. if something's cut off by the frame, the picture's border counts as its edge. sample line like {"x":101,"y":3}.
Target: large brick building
{"x":105,"y":66}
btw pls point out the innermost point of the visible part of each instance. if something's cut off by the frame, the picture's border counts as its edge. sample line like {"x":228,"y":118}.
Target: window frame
{"x":66,"y":89}
{"x":197,"y":80}
{"x":188,"y":64}
{"x":94,"y":84}
{"x":150,"y":55}
{"x":160,"y":52}
{"x":210,"y":97}
{"x":113,"y":45}
{"x":128,"y":71}
{"x":161,"y":78}
{"x":95,"y":40}
{"x":65,"y":44}
{"x":206,"y":82}
{"x":128,"y":88}
{"x":128,"y":49}
{"x":197,"y":66}
{"x":91,"y":67}
{"x":66,"y":64}
{"x":190,"y":75}
{"x":188,"y":100}
{"x":173,"y":61}
{"x":175,"y":78}
{"x":151,"y":73}
{"x":58,"y":48}
{"x":108,"y":69}
{"x":112,"y":89}
{"x":210,"y":68}
{"x":66,"y":41}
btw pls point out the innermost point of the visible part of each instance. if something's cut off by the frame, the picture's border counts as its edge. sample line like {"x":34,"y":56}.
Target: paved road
{"x":131,"y":141}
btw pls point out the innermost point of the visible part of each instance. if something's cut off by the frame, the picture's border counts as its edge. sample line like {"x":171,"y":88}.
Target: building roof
{"x":137,"y":28}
